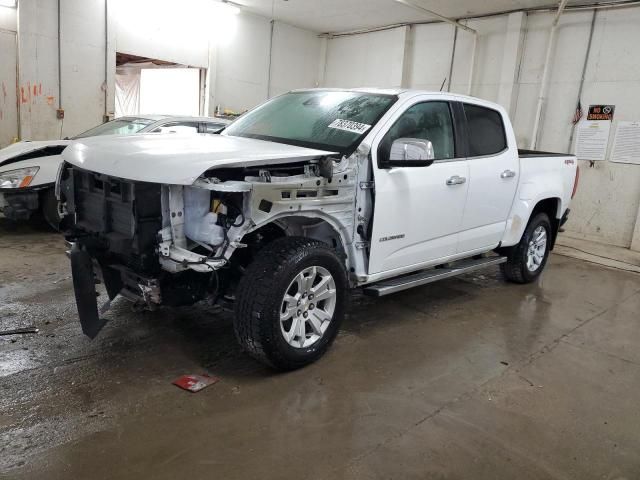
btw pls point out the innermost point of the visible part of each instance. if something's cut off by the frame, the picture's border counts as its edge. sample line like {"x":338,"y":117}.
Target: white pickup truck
{"x":310,"y":194}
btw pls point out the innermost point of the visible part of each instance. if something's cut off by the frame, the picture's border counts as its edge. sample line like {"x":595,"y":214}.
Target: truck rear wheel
{"x":527,"y":259}
{"x":290,"y":302}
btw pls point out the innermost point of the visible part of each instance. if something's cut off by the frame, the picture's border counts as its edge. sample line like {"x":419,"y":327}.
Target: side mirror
{"x":411,"y":152}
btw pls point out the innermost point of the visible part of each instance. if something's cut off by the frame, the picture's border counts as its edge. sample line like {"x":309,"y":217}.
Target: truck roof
{"x":401,"y":92}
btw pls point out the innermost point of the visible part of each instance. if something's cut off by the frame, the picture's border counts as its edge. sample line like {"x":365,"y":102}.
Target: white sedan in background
{"x":28,"y":169}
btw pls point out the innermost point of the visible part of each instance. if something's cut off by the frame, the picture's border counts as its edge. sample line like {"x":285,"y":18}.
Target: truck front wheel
{"x":290,"y":302}
{"x":527,"y":259}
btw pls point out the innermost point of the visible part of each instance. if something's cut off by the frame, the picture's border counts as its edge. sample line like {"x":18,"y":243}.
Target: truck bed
{"x":537,"y":153}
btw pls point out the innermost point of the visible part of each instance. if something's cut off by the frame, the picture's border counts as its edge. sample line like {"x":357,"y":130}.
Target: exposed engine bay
{"x":174,"y":245}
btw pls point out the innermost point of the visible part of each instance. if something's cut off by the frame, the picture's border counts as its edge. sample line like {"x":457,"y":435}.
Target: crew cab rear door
{"x":494,"y":169}
{"x":418,"y":209}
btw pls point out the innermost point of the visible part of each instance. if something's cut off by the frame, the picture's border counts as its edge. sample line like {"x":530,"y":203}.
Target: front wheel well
{"x":291,"y":226}
{"x":300,"y":226}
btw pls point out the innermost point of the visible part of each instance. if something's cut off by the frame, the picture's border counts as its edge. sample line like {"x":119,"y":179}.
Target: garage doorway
{"x":151,"y":86}
{"x":174,"y":91}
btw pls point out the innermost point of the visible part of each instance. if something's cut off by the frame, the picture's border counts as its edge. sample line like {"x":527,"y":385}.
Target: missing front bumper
{"x":87,"y":272}
{"x":84,"y":288}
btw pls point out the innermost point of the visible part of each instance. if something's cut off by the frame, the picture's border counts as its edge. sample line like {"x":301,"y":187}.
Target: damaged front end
{"x":159,"y":244}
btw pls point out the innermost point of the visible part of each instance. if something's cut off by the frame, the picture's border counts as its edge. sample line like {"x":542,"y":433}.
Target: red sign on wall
{"x":601,"y":112}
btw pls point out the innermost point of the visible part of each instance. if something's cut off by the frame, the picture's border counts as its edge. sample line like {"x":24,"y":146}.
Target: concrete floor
{"x":468,"y":378}
{"x":599,"y":253}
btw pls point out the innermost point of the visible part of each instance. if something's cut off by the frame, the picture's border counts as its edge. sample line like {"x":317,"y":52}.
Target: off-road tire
{"x":515,"y":269}
{"x":259,"y":298}
{"x":49,"y":207}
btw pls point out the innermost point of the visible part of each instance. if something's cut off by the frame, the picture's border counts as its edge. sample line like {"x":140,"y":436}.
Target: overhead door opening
{"x":174,"y":91}
{"x":149,"y":86}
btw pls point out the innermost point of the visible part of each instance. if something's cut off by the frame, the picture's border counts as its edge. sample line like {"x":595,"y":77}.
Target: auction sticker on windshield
{"x":349,"y":126}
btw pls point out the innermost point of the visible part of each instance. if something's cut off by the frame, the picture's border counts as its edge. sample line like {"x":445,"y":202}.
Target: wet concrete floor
{"x":467,"y":378}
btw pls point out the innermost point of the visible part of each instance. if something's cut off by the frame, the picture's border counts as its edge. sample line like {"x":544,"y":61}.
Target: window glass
{"x":213,"y":127}
{"x":426,"y":121}
{"x":177,"y":127}
{"x":121,"y":126}
{"x":324,"y":119}
{"x":485,"y":131}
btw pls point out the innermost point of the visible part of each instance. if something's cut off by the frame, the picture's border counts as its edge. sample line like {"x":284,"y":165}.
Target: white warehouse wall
{"x":8,"y":76}
{"x":243,"y":70}
{"x":254,"y":66}
{"x":374,"y":59}
{"x":488,"y":60}
{"x":607,"y":204}
{"x":8,"y":18}
{"x":243,"y":65}
{"x":296,"y":55}
{"x":83,"y":69}
{"x":83,"y":48}
{"x":508,"y":69}
{"x":429,"y":56}
{"x":38,"y":51}
{"x":157,"y":29}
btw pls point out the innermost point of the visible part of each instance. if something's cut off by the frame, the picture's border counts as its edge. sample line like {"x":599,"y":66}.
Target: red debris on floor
{"x":195,"y":383}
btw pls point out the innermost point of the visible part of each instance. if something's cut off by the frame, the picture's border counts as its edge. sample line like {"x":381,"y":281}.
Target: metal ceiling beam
{"x":436,"y":15}
{"x":561,"y":6}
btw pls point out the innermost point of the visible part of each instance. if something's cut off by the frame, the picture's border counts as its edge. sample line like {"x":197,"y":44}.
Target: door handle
{"x":508,"y":174}
{"x":456,"y":180}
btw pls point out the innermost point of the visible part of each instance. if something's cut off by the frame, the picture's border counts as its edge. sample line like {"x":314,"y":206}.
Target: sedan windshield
{"x":121,"y":126}
{"x":322,"y":119}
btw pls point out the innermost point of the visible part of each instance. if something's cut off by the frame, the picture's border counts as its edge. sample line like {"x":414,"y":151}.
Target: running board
{"x":397,"y":284}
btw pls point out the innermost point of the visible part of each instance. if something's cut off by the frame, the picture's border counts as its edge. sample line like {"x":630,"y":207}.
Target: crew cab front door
{"x":418,"y":209}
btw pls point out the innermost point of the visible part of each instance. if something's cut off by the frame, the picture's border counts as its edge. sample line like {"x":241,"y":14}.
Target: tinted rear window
{"x":485,"y":130}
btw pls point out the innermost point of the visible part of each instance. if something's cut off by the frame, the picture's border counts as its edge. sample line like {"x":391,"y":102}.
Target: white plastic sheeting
{"x":157,"y":89}
{"x":128,"y":90}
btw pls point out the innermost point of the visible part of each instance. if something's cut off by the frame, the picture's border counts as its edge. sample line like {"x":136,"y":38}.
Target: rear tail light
{"x":575,"y":182}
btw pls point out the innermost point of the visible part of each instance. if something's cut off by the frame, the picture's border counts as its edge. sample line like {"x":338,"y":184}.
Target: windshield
{"x":121,"y":126}
{"x":322,"y":119}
